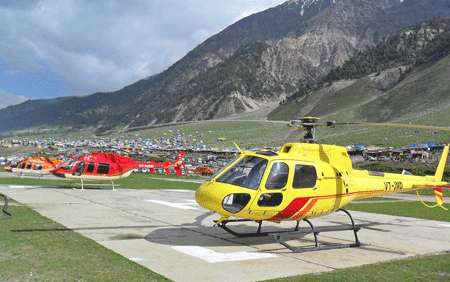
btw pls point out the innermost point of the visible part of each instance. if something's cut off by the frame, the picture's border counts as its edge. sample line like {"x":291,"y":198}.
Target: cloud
{"x":105,"y":45}
{"x":7,"y":99}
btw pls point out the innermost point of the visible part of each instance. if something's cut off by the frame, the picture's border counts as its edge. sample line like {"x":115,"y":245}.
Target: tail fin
{"x":178,"y":164}
{"x":438,"y":178}
{"x":440,"y":169}
{"x":179,"y":157}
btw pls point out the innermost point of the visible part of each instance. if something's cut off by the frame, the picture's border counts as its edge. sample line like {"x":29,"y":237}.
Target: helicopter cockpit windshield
{"x":245,"y":173}
{"x":68,"y":165}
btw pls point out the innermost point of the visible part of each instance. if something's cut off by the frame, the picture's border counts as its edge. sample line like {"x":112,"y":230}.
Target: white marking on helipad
{"x":215,"y":257}
{"x":178,"y":190}
{"x":183,"y":206}
{"x":136,"y":259}
{"x":23,"y":186}
{"x":445,"y":224}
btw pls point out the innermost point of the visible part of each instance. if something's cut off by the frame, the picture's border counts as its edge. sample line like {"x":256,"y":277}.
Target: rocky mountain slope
{"x":403,"y":78}
{"x":262,"y":58}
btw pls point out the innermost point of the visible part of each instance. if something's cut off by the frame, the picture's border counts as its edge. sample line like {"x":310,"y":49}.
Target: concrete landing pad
{"x":167,"y":232}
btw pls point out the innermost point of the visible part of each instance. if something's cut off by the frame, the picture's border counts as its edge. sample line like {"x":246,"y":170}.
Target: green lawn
{"x":136,"y":180}
{"x":410,"y":209}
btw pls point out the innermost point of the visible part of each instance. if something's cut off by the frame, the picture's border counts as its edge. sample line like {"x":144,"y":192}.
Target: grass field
{"x":410,"y":209}
{"x":244,"y":133}
{"x":136,"y":180}
{"x":270,"y":134}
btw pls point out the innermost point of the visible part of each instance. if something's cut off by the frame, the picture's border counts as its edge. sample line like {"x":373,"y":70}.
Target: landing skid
{"x":279,"y":236}
{"x":258,"y":233}
{"x":5,"y":207}
{"x":96,"y":184}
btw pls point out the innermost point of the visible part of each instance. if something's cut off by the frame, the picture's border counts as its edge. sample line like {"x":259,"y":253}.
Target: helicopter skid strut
{"x":279,"y":236}
{"x":258,"y":233}
{"x":5,"y":207}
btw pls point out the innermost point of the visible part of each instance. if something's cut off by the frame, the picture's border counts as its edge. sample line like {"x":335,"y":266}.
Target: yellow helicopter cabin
{"x":300,"y":181}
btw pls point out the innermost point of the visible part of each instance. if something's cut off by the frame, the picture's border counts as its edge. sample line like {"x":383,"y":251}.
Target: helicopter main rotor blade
{"x":333,"y":123}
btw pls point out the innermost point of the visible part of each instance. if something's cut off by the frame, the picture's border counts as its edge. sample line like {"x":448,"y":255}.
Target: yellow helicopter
{"x":301,"y":181}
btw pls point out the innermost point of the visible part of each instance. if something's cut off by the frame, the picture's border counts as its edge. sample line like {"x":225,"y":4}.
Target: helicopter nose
{"x":223,"y":198}
{"x":62,"y":175}
{"x":57,"y":174}
{"x":207,"y":198}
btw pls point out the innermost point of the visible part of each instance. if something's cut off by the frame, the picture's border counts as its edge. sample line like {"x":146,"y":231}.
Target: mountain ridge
{"x":259,"y":59}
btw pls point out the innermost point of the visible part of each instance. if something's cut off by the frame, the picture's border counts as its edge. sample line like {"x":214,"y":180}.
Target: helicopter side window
{"x":90,"y":168}
{"x":305,"y":176}
{"x":278,"y":176}
{"x":29,"y":165}
{"x":103,"y":168}
{"x":80,"y":168}
{"x":270,"y":200}
{"x":22,"y":165}
{"x":246,"y":173}
{"x":37,"y":166}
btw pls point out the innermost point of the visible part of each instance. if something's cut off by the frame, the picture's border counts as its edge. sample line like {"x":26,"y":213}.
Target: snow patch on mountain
{"x":305,"y":4}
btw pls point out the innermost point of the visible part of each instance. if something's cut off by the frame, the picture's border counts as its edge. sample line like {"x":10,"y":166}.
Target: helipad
{"x":167,"y":232}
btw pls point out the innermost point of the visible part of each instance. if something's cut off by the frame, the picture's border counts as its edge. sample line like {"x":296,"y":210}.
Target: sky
{"x":53,"y":48}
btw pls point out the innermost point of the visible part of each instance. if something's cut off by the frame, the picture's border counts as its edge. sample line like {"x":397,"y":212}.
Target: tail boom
{"x":441,"y":167}
{"x":177,"y":165}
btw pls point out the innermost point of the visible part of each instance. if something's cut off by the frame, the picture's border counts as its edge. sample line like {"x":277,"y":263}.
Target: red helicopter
{"x":109,"y":167}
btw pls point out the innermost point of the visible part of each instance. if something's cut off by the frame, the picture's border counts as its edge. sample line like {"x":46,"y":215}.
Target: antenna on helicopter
{"x":309,"y":125}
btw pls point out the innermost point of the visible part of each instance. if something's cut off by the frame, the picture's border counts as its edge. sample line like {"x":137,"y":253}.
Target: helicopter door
{"x":271,"y":195}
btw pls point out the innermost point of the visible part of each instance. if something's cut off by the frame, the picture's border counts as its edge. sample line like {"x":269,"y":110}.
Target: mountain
{"x":262,"y":58}
{"x":404,"y":78}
